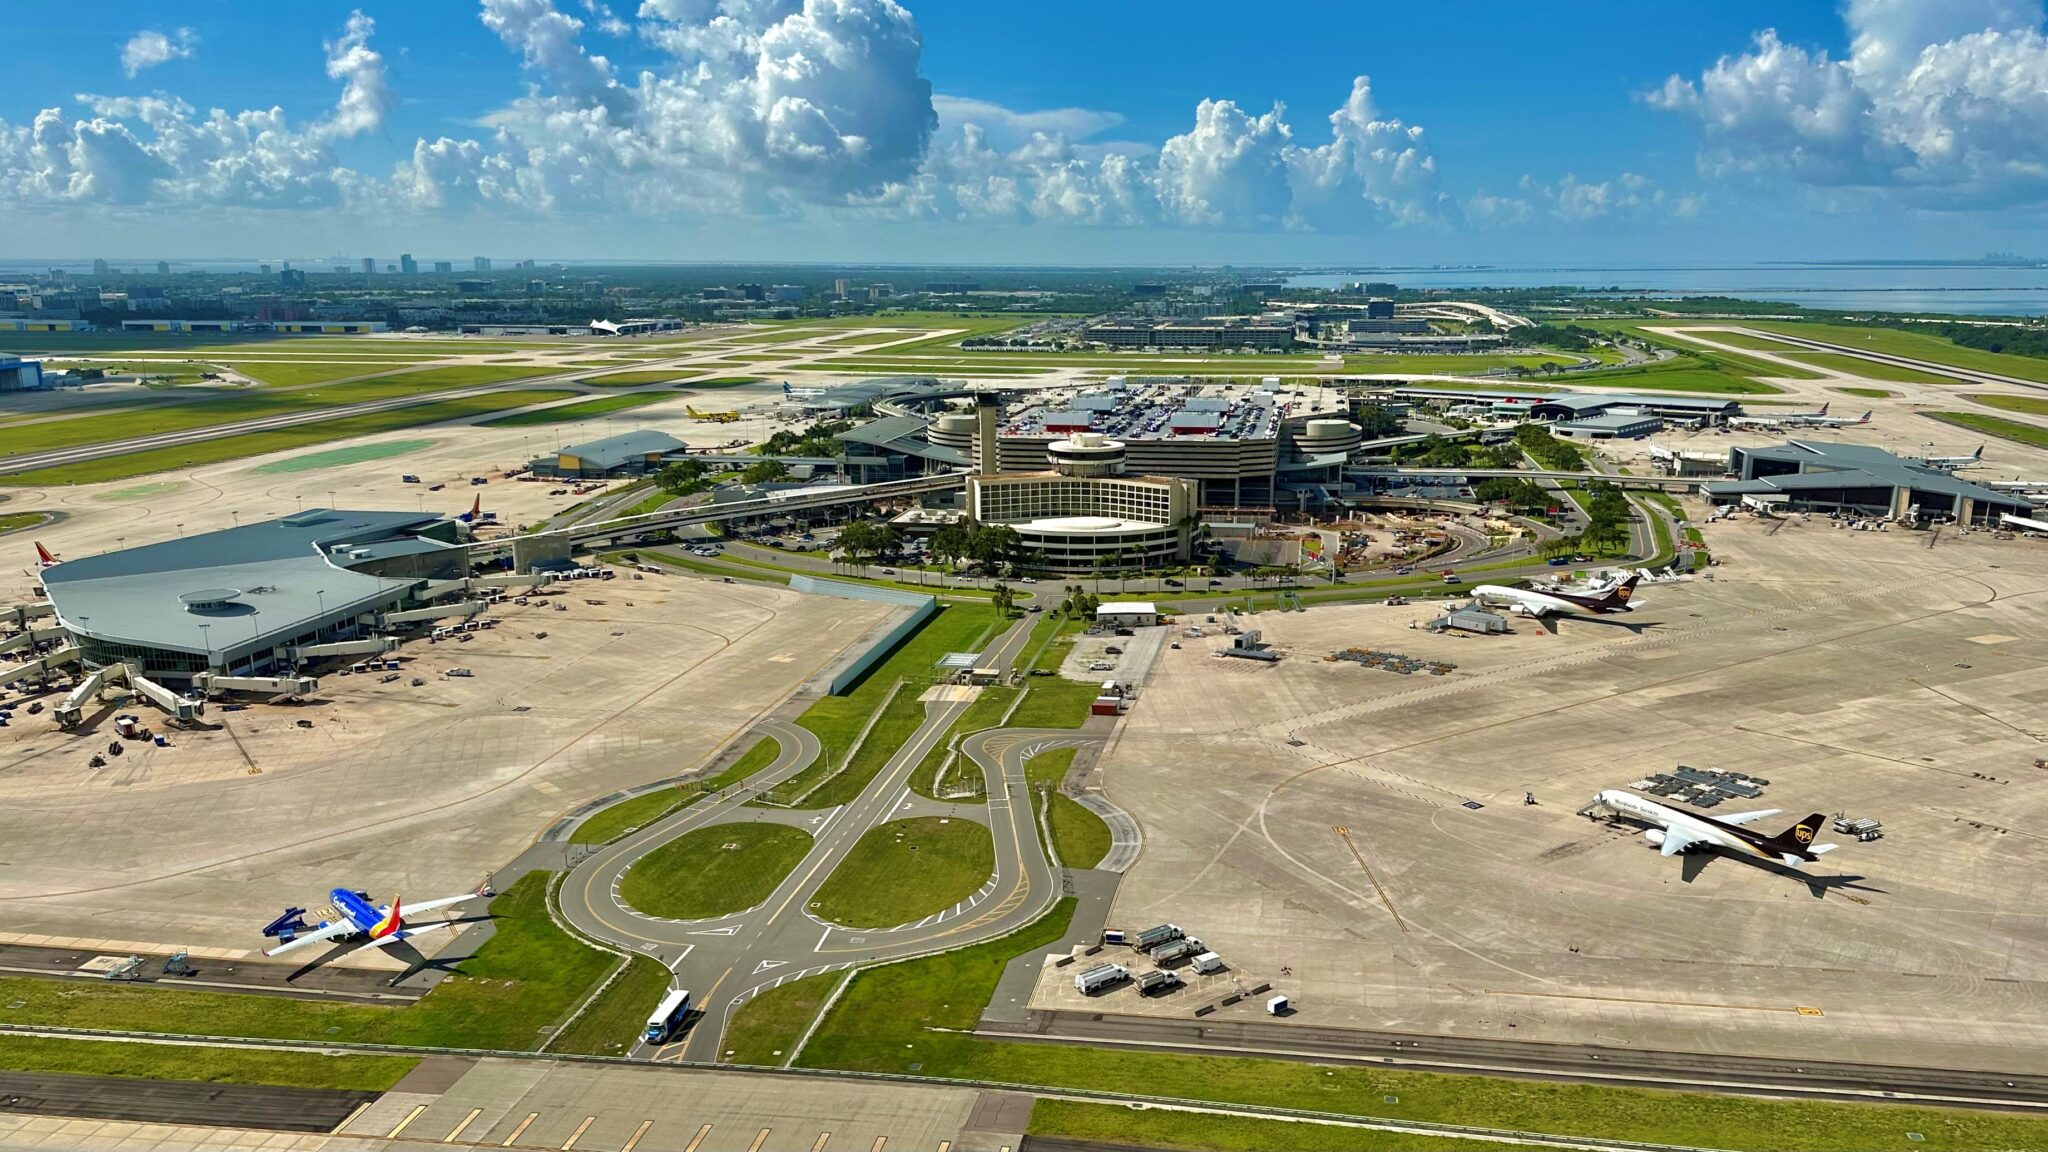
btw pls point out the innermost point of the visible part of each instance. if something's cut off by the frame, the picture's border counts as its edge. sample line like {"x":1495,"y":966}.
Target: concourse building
{"x":1827,"y":476}
{"x":627,"y":454}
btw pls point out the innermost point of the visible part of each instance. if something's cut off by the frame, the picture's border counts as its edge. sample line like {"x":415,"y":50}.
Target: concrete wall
{"x":879,"y":643}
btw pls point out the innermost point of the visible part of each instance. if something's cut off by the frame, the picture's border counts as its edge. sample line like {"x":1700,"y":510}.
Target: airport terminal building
{"x":1817,"y":475}
{"x":240,"y":601}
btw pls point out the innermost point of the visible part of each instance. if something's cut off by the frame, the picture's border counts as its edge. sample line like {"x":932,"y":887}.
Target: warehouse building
{"x":1816,"y":475}
{"x":238,"y":601}
{"x":18,"y":375}
{"x":627,"y":454}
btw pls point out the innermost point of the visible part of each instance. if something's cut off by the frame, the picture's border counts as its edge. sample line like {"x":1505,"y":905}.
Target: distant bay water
{"x":1963,"y":289}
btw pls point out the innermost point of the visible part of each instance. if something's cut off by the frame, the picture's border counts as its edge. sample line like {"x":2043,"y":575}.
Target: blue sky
{"x":1053,"y":131}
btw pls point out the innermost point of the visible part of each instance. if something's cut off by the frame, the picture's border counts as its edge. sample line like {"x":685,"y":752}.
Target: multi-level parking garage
{"x":1242,"y":444}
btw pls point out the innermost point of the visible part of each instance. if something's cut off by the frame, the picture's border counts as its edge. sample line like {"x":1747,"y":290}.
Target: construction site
{"x":1405,"y":852}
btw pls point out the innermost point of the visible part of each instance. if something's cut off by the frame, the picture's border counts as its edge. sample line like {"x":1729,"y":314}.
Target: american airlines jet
{"x":376,"y":927}
{"x":1674,"y":832}
{"x":1955,"y":463}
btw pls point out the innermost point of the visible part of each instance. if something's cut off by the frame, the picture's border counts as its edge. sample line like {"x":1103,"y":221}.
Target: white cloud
{"x":1946,"y":100}
{"x":1008,"y":128}
{"x":134,"y":150}
{"x":149,"y":49}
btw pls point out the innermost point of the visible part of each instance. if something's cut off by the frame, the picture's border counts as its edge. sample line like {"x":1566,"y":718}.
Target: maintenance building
{"x":628,"y":454}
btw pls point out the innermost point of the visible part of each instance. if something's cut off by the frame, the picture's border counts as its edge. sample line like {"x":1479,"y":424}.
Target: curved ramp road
{"x":726,"y":960}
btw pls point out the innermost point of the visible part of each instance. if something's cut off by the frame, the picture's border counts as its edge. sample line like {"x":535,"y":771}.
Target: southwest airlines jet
{"x":376,"y":927}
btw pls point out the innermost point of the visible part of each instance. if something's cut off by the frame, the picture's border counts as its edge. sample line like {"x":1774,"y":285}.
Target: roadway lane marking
{"x":409,"y":1118}
{"x":820,"y":1145}
{"x":520,"y":1131}
{"x":698,"y":1138}
{"x":351,"y":1117}
{"x":455,"y":1135}
{"x":759,"y":1140}
{"x":634,"y":1140}
{"x":578,"y":1133}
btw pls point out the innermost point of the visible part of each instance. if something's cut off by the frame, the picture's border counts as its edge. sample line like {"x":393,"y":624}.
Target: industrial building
{"x":1828,"y":476}
{"x":1127,"y":614}
{"x":1244,"y":446}
{"x":254,"y":599}
{"x":18,"y":375}
{"x":627,"y":454}
{"x":1619,"y":425}
{"x":1189,"y":334}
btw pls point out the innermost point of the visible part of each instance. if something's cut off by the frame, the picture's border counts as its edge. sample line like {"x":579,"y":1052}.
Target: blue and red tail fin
{"x":393,"y":921}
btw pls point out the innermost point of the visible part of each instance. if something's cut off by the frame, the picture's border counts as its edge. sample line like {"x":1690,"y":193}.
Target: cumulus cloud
{"x":149,"y":49}
{"x":1630,"y":197}
{"x":1943,"y":99}
{"x":134,"y":150}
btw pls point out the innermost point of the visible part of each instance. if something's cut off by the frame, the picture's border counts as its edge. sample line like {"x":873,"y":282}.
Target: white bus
{"x":668,"y":1016}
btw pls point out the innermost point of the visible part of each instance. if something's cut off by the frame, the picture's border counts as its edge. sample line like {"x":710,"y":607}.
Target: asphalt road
{"x":178,"y":1101}
{"x":728,"y":959}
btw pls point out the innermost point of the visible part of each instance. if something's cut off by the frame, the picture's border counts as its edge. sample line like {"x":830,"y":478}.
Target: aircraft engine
{"x":1655,"y":836}
{"x":1522,"y":609}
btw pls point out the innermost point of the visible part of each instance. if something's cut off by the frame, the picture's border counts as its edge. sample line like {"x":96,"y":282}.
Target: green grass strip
{"x":713,"y":871}
{"x":2032,"y":435}
{"x":582,"y":410}
{"x":142,"y":1061}
{"x":612,"y":1025}
{"x":610,"y":823}
{"x":765,"y":1029}
{"x":906,"y":870}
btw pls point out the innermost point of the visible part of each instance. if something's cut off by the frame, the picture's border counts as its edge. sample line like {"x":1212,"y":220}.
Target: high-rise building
{"x":753,"y":292}
{"x":163,"y":267}
{"x":99,"y":268}
{"x":787,"y":293}
{"x":483,"y":264}
{"x":291,"y":278}
{"x":266,"y":268}
{"x":369,"y":266}
{"x":444,"y":266}
{"x":839,"y":288}
{"x":408,"y":265}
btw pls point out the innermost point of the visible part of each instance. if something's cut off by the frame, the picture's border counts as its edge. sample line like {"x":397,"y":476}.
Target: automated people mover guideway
{"x":726,"y":960}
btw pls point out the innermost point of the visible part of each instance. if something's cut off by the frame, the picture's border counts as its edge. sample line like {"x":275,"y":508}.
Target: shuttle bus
{"x":668,"y":1016}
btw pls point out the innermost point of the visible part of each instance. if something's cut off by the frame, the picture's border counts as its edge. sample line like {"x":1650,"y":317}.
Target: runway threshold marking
{"x":1344,"y":834}
{"x":697,"y":1139}
{"x":409,"y":1118}
{"x":877,"y":1146}
{"x":633,"y":1141}
{"x":759,"y":1140}
{"x":578,"y":1133}
{"x":456,"y":1134}
{"x":521,"y":1130}
{"x":820,"y":1145}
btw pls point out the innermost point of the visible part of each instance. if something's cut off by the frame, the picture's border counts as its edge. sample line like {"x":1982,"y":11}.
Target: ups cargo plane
{"x":1676,"y":832}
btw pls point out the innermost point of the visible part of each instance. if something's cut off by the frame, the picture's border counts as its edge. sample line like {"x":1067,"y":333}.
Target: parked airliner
{"x":1674,"y":832}
{"x":1538,"y":605}
{"x":376,"y":927}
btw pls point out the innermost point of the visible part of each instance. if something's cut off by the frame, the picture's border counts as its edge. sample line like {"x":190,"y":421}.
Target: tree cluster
{"x":820,"y":439}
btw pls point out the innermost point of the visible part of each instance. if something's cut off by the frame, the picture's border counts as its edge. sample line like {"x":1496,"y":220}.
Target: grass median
{"x":1870,"y":369}
{"x":906,"y":870}
{"x":2032,"y":435}
{"x":582,"y":410}
{"x":279,"y":439}
{"x":144,"y":1061}
{"x":1115,"y":1126}
{"x":713,"y":871}
{"x":765,"y":1029}
{"x":2031,"y":405}
{"x":613,"y":1023}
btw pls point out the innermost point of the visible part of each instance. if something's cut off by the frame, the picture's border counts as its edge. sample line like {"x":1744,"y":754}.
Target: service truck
{"x":1099,"y":977}
{"x":1153,"y":937}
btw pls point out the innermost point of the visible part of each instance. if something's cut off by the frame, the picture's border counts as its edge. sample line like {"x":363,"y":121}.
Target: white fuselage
{"x":1665,"y":821}
{"x":1528,"y":602}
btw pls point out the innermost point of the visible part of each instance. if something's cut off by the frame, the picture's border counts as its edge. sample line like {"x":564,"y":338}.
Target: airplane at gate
{"x":1674,"y":832}
{"x":1955,"y":463}
{"x":44,"y":557}
{"x":376,"y":927}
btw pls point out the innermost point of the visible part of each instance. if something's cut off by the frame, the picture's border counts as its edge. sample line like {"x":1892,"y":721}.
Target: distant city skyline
{"x":866,"y":131}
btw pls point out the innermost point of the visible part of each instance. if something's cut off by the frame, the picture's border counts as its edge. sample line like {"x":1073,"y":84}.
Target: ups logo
{"x":1803,"y":834}
{"x":1624,"y":592}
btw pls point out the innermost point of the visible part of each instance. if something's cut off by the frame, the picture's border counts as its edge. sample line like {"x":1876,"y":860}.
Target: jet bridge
{"x":463,"y":608}
{"x":41,"y":666}
{"x":212,"y":682}
{"x":31,"y":636}
{"x":71,"y":710}
{"x":20,"y":614}
{"x":368,"y":646}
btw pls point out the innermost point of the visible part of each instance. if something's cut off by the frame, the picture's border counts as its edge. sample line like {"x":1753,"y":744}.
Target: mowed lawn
{"x":2032,"y":435}
{"x":1914,"y":345}
{"x":765,"y":1029}
{"x":207,"y":1065}
{"x":607,"y":824}
{"x":906,"y":870}
{"x":279,"y":439}
{"x":584,"y":410}
{"x":612,"y":1025}
{"x":2031,"y":405}
{"x":1870,"y":369}
{"x":713,"y":871}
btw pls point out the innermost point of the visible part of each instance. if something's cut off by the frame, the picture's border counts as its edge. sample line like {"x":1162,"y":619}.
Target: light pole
{"x":207,"y":641}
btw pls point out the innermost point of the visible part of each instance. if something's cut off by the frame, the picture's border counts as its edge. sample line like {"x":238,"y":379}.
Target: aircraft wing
{"x":430,"y":905}
{"x":1748,"y":817}
{"x":320,"y":935}
{"x":1676,"y":842}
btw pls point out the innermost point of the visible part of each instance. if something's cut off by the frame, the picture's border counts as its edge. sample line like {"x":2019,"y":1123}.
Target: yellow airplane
{"x":714,"y":417}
